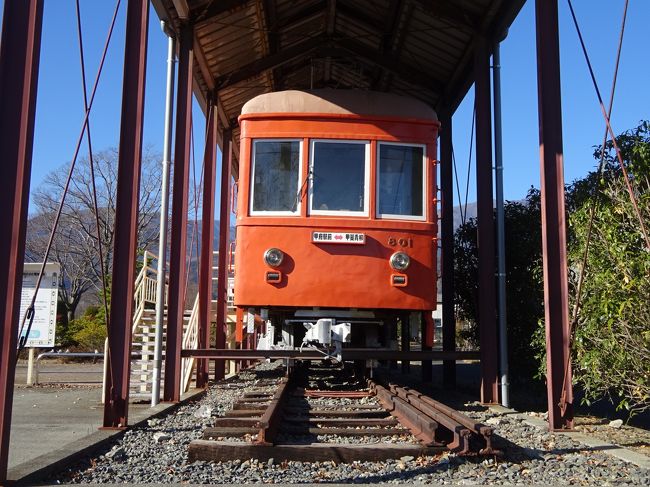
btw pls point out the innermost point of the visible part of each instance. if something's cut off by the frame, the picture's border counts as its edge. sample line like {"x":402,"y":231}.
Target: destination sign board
{"x":338,"y":238}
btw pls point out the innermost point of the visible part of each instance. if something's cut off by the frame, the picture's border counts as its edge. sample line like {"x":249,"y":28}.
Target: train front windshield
{"x":339,"y":178}
{"x":400,"y":181}
{"x":276,"y":169}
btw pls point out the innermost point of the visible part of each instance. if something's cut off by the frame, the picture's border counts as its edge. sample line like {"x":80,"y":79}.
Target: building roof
{"x":419,"y":48}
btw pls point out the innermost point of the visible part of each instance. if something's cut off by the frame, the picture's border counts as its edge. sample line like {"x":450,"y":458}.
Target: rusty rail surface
{"x":259,"y":417}
{"x":432,"y":422}
{"x":475,"y":427}
{"x":270,"y":420}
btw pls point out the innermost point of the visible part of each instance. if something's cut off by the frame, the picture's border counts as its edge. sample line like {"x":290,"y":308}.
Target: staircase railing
{"x":144,"y":299}
{"x":145,"y":288}
{"x":190,"y":341}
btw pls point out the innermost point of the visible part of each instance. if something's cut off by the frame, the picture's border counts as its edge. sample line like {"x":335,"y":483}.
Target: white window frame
{"x":389,"y":216}
{"x":252,"y":181}
{"x":366,"y":179}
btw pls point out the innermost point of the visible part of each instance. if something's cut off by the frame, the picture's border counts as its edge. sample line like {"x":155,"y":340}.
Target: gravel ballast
{"x":157,"y":453}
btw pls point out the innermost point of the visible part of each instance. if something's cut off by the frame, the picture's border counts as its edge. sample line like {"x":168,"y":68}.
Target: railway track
{"x":323,"y":414}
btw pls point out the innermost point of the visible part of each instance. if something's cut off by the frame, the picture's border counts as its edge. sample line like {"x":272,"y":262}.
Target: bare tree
{"x":76,"y":245}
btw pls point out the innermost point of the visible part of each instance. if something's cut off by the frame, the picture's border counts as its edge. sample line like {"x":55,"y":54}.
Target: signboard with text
{"x":338,"y":237}
{"x":43,"y":328}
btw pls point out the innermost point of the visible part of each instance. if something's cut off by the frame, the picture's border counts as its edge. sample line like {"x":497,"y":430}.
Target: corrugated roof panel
{"x":286,"y":10}
{"x":301,"y":31}
{"x":350,"y":29}
{"x":371,"y":12}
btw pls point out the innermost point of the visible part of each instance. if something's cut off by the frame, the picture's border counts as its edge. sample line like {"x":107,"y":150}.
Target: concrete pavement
{"x":54,"y":423}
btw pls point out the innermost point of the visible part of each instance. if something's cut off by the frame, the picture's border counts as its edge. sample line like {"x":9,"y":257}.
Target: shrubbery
{"x":611,"y":339}
{"x":87,"y":332}
{"x":611,"y":346}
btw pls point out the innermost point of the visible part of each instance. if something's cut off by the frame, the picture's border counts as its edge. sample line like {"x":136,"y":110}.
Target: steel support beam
{"x":391,"y":64}
{"x":245,"y":353}
{"x":116,"y":400}
{"x":19,"y":59}
{"x":224,"y":250}
{"x":271,"y":61}
{"x":405,"y":324}
{"x":558,"y":365}
{"x":447,"y":237}
{"x":207,"y":241}
{"x":485,"y":212}
{"x":178,"y":250}
{"x":426,"y":322}
{"x":501,"y":231}
{"x":161,"y":279}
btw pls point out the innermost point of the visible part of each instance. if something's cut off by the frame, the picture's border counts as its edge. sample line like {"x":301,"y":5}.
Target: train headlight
{"x":273,"y":257}
{"x":400,"y":261}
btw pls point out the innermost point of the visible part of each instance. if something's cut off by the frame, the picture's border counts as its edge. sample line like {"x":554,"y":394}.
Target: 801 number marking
{"x":401,"y":241}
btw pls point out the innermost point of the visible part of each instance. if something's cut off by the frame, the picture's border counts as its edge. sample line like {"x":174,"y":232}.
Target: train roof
{"x":340,"y":102}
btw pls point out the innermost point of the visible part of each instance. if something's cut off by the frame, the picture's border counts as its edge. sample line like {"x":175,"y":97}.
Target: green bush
{"x":611,"y":338}
{"x":89,"y":331}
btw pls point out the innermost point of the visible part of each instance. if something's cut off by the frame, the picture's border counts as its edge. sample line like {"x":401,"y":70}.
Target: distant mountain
{"x":470,"y":213}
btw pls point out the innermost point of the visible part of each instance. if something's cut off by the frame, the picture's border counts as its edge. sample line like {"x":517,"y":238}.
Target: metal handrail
{"x":36,"y":371}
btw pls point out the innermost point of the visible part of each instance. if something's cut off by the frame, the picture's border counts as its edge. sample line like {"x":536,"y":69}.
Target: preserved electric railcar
{"x":336,"y":216}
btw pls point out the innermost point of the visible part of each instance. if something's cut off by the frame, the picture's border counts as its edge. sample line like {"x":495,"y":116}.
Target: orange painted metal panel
{"x":339,"y":128}
{"x":332,"y":274}
{"x":328,"y":274}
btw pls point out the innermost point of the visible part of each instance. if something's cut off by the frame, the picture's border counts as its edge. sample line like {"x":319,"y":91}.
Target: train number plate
{"x":338,"y":238}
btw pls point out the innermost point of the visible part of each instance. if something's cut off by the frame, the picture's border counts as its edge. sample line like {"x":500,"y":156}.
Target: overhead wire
{"x":198,"y":193}
{"x":28,"y":317}
{"x":188,"y":259}
{"x":455,"y":166}
{"x":592,"y":209}
{"x":92,"y":166}
{"x":469,"y":157}
{"x":626,"y":178}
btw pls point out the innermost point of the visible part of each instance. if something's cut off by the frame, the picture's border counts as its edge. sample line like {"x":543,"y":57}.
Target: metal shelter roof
{"x":421,"y":48}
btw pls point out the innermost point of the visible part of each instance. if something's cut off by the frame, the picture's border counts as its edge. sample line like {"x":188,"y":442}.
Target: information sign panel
{"x":43,"y":327}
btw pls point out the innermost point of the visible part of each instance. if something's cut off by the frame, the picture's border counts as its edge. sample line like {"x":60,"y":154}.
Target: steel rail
{"x":430,"y":421}
{"x":270,"y":421}
{"x":419,"y":399}
{"x":347,"y":354}
{"x":422,"y":426}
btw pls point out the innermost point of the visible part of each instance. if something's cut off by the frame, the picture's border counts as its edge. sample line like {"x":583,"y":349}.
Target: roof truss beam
{"x":272,"y":61}
{"x":218,"y":7}
{"x":451,"y":12}
{"x":390,"y":64}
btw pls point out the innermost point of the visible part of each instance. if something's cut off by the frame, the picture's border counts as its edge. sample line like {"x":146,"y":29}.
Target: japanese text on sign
{"x":338,"y":238}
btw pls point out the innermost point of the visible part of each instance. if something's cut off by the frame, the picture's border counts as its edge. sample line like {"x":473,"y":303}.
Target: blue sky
{"x":60,"y":106}
{"x":583,"y":124}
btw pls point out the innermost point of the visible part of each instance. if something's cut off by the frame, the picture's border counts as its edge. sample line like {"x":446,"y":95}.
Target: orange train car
{"x":336,"y":216}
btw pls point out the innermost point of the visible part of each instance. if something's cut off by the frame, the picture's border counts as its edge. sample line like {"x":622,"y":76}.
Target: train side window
{"x":401,"y":181}
{"x":339,"y":177}
{"x":275,"y":176}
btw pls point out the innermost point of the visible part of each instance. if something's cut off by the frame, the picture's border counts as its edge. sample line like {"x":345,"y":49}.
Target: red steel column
{"x":116,"y":400}
{"x":486,"y":262}
{"x":447,"y":237}
{"x":558,"y":378}
{"x":224,"y":248}
{"x":427,"y":344}
{"x":405,"y":324}
{"x":19,"y":58}
{"x":178,"y":250}
{"x":207,"y":242}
